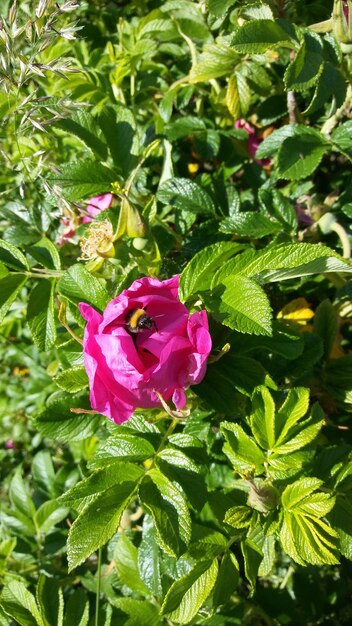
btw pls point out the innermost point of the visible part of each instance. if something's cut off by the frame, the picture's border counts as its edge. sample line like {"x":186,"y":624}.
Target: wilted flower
{"x":99,"y":241}
{"x":145,"y":343}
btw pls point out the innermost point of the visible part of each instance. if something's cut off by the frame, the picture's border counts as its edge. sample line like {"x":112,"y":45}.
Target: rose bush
{"x":125,"y":369}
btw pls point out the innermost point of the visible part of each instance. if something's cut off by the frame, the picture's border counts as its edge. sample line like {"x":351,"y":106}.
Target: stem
{"x":96,"y":622}
{"x":340,"y":231}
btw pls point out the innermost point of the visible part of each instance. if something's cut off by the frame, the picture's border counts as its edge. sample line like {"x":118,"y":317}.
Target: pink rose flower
{"x":125,"y":368}
{"x":96,"y":205}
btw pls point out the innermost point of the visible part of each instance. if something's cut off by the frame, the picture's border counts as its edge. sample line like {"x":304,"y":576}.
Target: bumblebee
{"x":137,"y":321}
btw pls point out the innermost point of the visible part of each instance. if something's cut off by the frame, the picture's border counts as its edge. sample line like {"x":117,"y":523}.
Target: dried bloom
{"x":99,"y":241}
{"x":129,"y":364}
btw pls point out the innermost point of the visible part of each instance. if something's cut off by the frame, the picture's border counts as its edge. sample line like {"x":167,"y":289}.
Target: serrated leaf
{"x":241,"y":450}
{"x":97,"y":522}
{"x":216,"y":59}
{"x":73,"y":379}
{"x":127,"y":446}
{"x":12,"y":256}
{"x":308,"y":540}
{"x":272,"y":143}
{"x":282,"y":262}
{"x":79,"y":285}
{"x":10,"y":286}
{"x":227,"y":579}
{"x":20,"y":496}
{"x":186,"y":194}
{"x":49,"y":514}
{"x":126,"y":565}
{"x":120,"y":132}
{"x":186,"y":595}
{"x":253,"y":556}
{"x":197,"y":275}
{"x":168,"y":506}
{"x":304,"y":70}
{"x":259,"y":35}
{"x":262,"y":419}
{"x":331,"y":86}
{"x":342,"y":139}
{"x":50,"y":600}
{"x":20,"y":604}
{"x":249,"y":224}
{"x":82,"y":179}
{"x":300,"y":155}
{"x":84,"y":126}
{"x":58,"y":422}
{"x":239,"y":516}
{"x":184,"y":127}
{"x":149,"y":558}
{"x":102,"y":480}
{"x":45,"y":252}
{"x":238,"y":96}
{"x":138,"y":611}
{"x":40,"y":314}
{"x":241,"y":304}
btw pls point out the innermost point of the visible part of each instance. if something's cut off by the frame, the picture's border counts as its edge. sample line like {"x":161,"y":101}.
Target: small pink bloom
{"x":253,"y":140}
{"x":126,"y":369}
{"x":9,"y":444}
{"x":96,"y":205}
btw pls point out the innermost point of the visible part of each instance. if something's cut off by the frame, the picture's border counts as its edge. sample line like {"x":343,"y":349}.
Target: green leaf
{"x":272,"y":143}
{"x":227,"y":579}
{"x":40,"y":314}
{"x":216,"y":59}
{"x":73,"y":379}
{"x":149,"y":558}
{"x":262,"y":419}
{"x":184,"y":127}
{"x":19,"y":495}
{"x":58,"y":422}
{"x":97,"y":522}
{"x":126,"y":565}
{"x":300,"y":155}
{"x":81,"y":179}
{"x":197,"y":275}
{"x":10,"y":286}
{"x":50,"y":601}
{"x":102,"y":480}
{"x":187,"y":594}
{"x":241,"y":450}
{"x":238,"y":96}
{"x":239,"y":516}
{"x":79,"y":285}
{"x":138,"y":611}
{"x":331,"y":86}
{"x":304,"y":70}
{"x":220,"y":7}
{"x":253,"y":556}
{"x":122,"y":446}
{"x":342,"y":139}
{"x":291,"y":411}
{"x":168,"y":507}
{"x":48,"y":515}
{"x":187,"y":195}
{"x":259,"y":35}
{"x":77,"y":609}
{"x":12,"y":256}
{"x":83,"y":125}
{"x":282,"y":262}
{"x":304,"y":536}
{"x":326,"y":325}
{"x":20,"y":604}
{"x":43,"y":472}
{"x":45,"y":252}
{"x":120,"y":132}
{"x":249,"y":224}
{"x":241,"y":304}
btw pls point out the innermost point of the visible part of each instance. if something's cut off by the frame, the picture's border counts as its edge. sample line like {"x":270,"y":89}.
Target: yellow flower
{"x":297,"y":311}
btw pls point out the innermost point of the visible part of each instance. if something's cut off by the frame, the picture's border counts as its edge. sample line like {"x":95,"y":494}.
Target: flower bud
{"x":342,"y":21}
{"x":262,"y":497}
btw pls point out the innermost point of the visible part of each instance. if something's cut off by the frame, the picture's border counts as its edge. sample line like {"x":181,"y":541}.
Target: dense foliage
{"x":219,"y":135}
